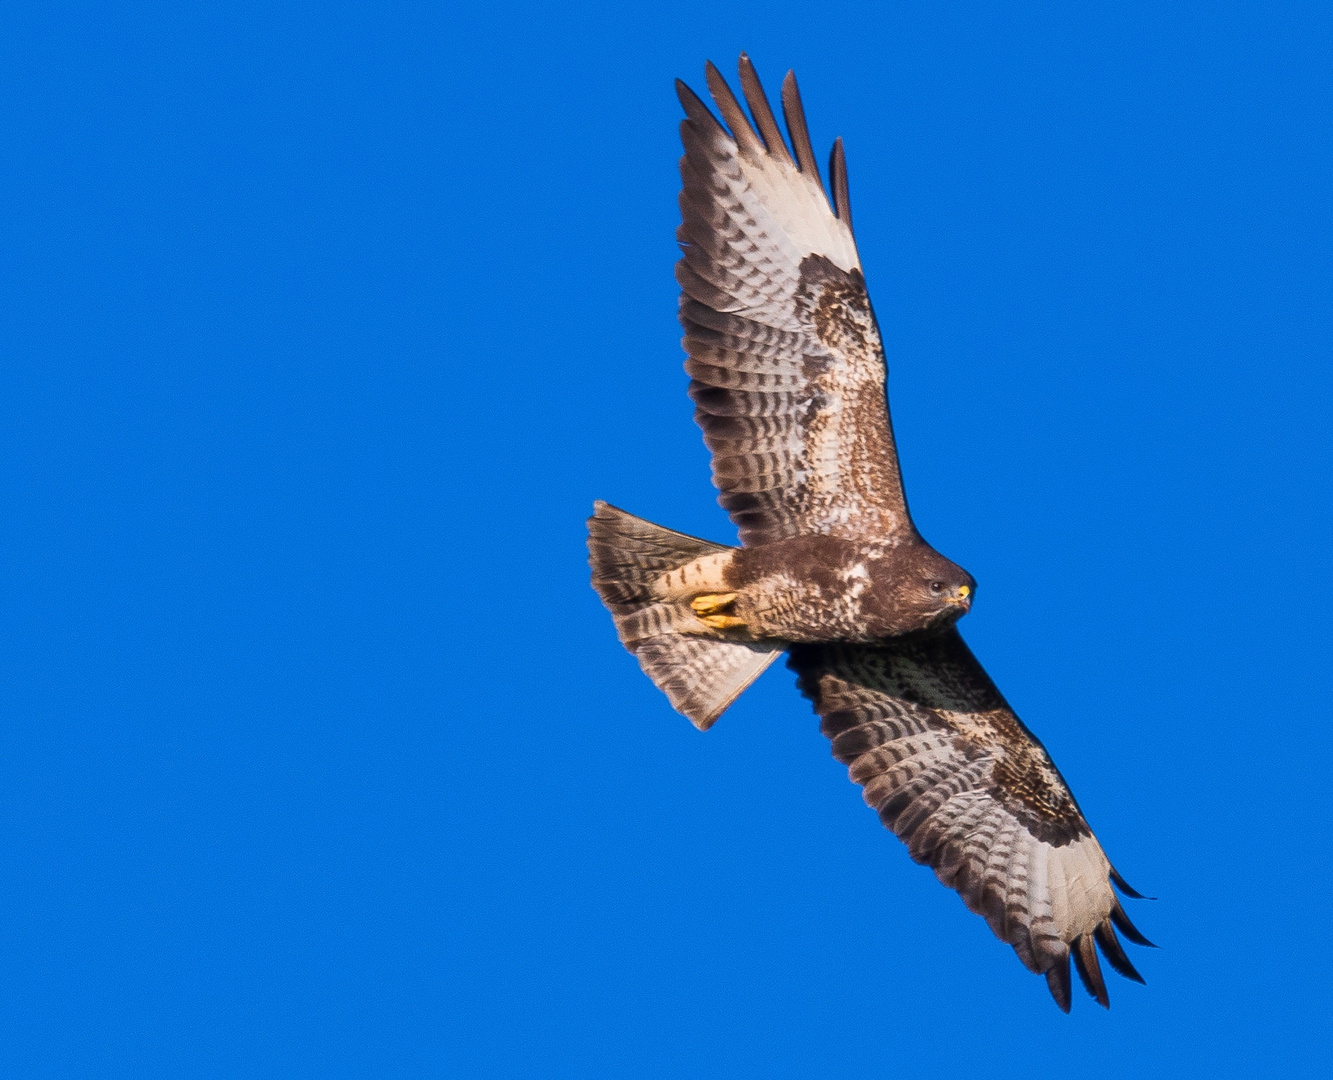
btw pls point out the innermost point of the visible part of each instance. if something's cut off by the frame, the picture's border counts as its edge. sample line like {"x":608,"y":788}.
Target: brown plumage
{"x":787,"y":374}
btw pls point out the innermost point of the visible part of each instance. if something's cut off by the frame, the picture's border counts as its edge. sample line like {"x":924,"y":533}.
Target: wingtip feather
{"x":794,"y":111}
{"x":697,"y":111}
{"x":1115,"y":952}
{"x":837,"y":169}
{"x":762,"y":112}
{"x":1127,"y":928}
{"x":1058,"y":982}
{"x":1126,"y":889}
{"x":731,"y":111}
{"x":1089,"y":970}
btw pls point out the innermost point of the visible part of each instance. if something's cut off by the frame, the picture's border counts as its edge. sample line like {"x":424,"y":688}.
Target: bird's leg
{"x":709,"y":610}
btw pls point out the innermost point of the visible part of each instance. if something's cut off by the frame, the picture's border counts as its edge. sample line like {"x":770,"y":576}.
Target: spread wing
{"x":955,"y":774}
{"x":785,"y":357}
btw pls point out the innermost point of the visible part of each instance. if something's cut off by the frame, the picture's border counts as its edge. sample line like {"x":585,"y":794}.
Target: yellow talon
{"x":721,"y":622}
{"x":711,"y":604}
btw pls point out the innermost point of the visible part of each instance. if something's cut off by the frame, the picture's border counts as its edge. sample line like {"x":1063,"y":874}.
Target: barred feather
{"x":779,"y":327}
{"x":634,"y":564}
{"x":954,"y":773}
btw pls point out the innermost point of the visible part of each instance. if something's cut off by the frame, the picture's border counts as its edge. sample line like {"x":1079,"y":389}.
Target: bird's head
{"x":949,"y":587}
{"x":936,"y":590}
{"x":916,"y":588}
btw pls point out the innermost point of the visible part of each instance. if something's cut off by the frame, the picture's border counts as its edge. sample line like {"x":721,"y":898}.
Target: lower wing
{"x":956,"y":776}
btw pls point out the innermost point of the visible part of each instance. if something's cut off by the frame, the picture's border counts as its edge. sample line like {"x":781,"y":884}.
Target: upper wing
{"x":955,"y":774}
{"x":785,"y":355}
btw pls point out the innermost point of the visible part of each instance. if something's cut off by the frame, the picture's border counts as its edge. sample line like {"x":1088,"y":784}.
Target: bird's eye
{"x":937,"y":587}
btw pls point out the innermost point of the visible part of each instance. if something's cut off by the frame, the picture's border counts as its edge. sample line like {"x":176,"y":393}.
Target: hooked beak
{"x":963,"y":599}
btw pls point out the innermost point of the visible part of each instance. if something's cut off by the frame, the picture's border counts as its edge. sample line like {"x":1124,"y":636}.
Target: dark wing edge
{"x":786,"y":364}
{"x":953,"y":772}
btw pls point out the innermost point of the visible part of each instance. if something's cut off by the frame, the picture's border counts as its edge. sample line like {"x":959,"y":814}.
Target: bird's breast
{"x":808,"y":589}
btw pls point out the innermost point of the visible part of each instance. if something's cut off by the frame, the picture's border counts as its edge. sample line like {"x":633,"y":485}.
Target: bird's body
{"x":826,"y":588}
{"x":788,"y":378}
{"x":821,"y":588}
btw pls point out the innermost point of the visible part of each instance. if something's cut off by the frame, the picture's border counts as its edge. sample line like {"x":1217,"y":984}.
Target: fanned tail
{"x":645,"y":575}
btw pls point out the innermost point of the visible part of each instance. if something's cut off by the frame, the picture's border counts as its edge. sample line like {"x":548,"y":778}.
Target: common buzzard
{"x":788,"y":378}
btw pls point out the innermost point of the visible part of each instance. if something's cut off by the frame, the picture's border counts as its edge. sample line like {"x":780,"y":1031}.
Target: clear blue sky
{"x":324,"y":324}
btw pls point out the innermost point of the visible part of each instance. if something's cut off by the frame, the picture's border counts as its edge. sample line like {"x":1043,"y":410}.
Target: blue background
{"x":323,"y":326}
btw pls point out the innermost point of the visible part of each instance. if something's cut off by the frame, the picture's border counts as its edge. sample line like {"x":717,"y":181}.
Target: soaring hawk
{"x":788,"y":379}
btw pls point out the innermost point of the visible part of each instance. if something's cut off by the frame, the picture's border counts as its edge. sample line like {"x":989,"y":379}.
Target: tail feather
{"x":702,"y":677}
{"x":634,"y":565}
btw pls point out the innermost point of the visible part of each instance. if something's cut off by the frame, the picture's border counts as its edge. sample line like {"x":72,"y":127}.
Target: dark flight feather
{"x":837,"y":171}
{"x":1124,"y":886}
{"x":1115,"y":952}
{"x":732,"y":112}
{"x":1084,"y":953}
{"x":762,"y":113}
{"x":1058,"y":982}
{"x":1127,"y":928}
{"x":794,"y":112}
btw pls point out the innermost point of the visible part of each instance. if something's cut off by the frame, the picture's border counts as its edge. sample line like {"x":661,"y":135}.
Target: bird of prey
{"x":788,"y":379}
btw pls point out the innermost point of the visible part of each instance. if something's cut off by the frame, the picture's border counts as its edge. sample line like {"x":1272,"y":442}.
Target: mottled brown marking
{"x":842,"y":310}
{"x":1023,"y":775}
{"x":935,"y":674}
